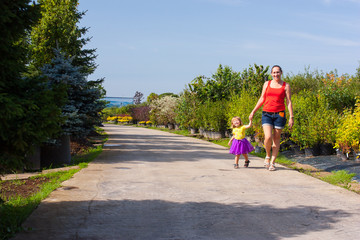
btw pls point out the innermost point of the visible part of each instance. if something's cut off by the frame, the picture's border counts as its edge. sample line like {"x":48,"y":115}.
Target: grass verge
{"x":14,"y":210}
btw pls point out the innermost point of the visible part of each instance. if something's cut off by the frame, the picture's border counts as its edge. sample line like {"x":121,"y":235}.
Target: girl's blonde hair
{"x":232,"y":120}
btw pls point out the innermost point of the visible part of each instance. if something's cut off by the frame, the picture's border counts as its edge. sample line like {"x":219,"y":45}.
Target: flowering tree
{"x":163,"y":110}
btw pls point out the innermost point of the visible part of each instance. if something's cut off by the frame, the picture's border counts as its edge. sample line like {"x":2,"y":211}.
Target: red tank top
{"x":274,"y":99}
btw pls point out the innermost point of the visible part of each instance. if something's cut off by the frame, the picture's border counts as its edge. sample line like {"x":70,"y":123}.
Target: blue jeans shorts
{"x":276,"y":120}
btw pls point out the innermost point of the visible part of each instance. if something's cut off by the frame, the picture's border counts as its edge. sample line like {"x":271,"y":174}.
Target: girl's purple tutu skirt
{"x":242,"y":146}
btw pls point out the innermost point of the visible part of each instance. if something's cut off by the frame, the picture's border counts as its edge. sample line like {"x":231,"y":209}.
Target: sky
{"x":160,"y":46}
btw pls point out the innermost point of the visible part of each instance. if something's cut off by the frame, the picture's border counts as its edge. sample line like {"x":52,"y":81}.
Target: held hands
{"x":251,"y":116}
{"x":249,"y":125}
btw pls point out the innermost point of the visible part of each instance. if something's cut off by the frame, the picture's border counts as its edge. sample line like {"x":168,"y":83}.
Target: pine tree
{"x":28,"y":116}
{"x":83,"y":105}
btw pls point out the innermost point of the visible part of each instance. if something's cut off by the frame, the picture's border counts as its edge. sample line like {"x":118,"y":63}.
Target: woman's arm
{"x":289,"y":105}
{"x":260,"y":101}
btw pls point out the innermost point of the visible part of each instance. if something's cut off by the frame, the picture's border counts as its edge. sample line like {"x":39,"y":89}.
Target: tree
{"x":83,"y":102}
{"x":152,"y":97}
{"x":254,"y":78}
{"x":28,"y":115}
{"x":58,"y":28}
{"x":138,"y":97}
{"x":163,"y":110}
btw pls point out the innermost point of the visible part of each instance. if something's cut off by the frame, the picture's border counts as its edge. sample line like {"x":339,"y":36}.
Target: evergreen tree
{"x":83,"y":105}
{"x":58,"y":28}
{"x":28,"y":116}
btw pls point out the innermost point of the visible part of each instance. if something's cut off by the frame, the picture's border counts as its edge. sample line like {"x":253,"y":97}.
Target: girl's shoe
{"x":267,"y":162}
{"x":272,"y":167}
{"x":246,"y":164}
{"x":236,"y":166}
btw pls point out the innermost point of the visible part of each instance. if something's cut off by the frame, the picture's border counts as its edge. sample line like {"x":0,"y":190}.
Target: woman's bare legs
{"x":268,"y":141}
{"x":272,"y":145}
{"x":276,"y":144}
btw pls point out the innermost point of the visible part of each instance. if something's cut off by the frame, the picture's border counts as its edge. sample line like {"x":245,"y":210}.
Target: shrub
{"x":338,"y":92}
{"x":186,"y":110}
{"x":348,"y":133}
{"x":311,"y":81}
{"x":314,"y":122}
{"x":241,"y":105}
{"x":163,"y":110}
{"x":140,"y":113}
{"x":212,"y":115}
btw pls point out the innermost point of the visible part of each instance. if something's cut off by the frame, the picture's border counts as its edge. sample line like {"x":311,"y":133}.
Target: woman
{"x":273,"y":117}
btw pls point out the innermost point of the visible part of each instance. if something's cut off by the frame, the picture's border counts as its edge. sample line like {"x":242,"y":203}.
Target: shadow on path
{"x":157,"y":219}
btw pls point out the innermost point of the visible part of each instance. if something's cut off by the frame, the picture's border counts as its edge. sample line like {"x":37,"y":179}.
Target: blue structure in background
{"x":119,"y":101}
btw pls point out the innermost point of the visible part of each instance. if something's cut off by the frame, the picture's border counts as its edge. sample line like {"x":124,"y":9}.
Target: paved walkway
{"x":149,"y":184}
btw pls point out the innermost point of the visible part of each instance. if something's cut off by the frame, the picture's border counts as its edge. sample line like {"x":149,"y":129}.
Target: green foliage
{"x":348,"y":133}
{"x":212,"y":115}
{"x":219,"y":87}
{"x":338,"y":92}
{"x":254,"y":78}
{"x":341,"y":177}
{"x":28,"y":113}
{"x":58,"y":28}
{"x":186,"y":110}
{"x":309,"y":81}
{"x":241,"y":105}
{"x":314,"y":122}
{"x":168,"y":94}
{"x":151,"y":97}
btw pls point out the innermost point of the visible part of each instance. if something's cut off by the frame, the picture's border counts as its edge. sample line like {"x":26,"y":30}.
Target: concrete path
{"x":149,"y":184}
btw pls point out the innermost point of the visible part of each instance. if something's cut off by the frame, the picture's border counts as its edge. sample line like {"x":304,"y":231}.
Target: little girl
{"x":240,"y":145}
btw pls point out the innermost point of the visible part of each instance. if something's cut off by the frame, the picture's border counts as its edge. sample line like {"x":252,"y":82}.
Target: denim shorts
{"x":276,"y":120}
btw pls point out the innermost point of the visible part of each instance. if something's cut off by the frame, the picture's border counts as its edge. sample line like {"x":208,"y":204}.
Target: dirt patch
{"x":21,"y":188}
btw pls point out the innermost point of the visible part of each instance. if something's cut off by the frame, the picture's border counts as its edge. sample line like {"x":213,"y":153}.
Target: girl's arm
{"x":289,"y":105}
{"x":260,"y":101}
{"x":249,"y":125}
{"x":230,"y":141}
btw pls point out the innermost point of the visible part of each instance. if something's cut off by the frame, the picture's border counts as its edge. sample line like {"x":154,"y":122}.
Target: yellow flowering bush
{"x":121,"y":119}
{"x":125,"y":119}
{"x":111,"y":119}
{"x":348,"y":133}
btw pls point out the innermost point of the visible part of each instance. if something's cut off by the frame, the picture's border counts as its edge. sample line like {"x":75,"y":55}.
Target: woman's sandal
{"x":246,"y":164}
{"x":267,"y":162}
{"x":236,"y":166}
{"x":272,"y":167}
